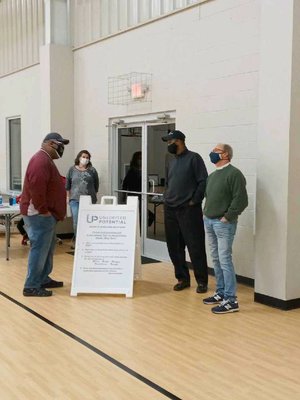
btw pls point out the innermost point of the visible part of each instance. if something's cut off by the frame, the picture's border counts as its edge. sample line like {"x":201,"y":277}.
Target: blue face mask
{"x":215,"y":157}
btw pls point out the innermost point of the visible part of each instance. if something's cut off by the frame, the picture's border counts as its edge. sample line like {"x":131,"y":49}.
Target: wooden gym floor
{"x":161,"y":344}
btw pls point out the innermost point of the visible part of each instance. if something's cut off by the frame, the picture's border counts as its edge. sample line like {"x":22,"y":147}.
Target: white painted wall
{"x":57,"y":101}
{"x":42,"y":96}
{"x":277,"y":248}
{"x":21,"y":33}
{"x":205,"y":64}
{"x":95,"y":19}
{"x":20,"y":96}
{"x":293,"y":215}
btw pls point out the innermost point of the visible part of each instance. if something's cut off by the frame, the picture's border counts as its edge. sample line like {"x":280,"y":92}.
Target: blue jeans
{"x":41,"y":233}
{"x":220,"y":237}
{"x":74,"y":206}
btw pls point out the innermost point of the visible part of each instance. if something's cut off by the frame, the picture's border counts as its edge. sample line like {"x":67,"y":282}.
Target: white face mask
{"x":84,"y":161}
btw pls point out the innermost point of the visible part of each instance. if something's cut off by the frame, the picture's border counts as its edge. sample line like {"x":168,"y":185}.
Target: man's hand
{"x":48,"y":214}
{"x":224,"y":220}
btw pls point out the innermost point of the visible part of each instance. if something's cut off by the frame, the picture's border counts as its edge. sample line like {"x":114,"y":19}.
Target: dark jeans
{"x":184,"y":228}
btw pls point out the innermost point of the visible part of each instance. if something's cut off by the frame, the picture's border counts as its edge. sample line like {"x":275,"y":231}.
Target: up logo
{"x":91,"y":218}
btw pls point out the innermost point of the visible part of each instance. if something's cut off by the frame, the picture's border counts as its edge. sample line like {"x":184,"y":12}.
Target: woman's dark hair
{"x":134,"y":161}
{"x":89,"y":164}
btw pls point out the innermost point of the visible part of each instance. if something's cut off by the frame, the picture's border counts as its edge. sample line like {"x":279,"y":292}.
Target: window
{"x":14,"y":143}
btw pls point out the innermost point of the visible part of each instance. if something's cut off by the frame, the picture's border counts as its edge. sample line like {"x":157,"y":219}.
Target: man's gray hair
{"x":228,"y":149}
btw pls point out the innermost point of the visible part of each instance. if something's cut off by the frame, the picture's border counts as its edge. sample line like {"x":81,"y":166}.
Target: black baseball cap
{"x":174,"y":135}
{"x":56,"y":136}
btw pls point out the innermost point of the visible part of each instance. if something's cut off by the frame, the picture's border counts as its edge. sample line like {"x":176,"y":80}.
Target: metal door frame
{"x":148,"y":246}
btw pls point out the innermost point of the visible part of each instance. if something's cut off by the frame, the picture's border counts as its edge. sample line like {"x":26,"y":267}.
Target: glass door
{"x":138,"y":157}
{"x":129,"y":162}
{"x":156,"y":152}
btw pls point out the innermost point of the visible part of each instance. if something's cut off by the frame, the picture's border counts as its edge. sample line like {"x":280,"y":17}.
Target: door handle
{"x":151,"y":181}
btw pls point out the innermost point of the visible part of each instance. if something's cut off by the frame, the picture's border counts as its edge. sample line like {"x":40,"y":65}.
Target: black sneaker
{"x":201,"y":288}
{"x":52,"y":284}
{"x":225,"y":307}
{"x":37,"y":292}
{"x":214,"y":299}
{"x":181,"y":285}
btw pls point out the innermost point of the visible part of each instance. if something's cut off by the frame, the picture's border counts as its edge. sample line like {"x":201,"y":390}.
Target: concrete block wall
{"x":204,"y":62}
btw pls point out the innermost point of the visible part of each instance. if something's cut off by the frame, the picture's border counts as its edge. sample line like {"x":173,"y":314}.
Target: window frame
{"x":9,"y":183}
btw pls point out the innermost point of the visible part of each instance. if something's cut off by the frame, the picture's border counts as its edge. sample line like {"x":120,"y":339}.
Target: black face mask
{"x":172,"y":148}
{"x":60,"y":150}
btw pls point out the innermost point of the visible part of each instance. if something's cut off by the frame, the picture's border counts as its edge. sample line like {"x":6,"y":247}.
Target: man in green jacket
{"x":226,"y":199}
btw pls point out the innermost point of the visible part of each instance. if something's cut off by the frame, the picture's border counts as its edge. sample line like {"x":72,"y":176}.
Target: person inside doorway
{"x":133,"y":179}
{"x":186,"y":176}
{"x":133,"y":183}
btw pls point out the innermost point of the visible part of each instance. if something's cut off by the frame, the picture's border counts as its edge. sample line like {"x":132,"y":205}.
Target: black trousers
{"x":20,"y":226}
{"x":184,"y":228}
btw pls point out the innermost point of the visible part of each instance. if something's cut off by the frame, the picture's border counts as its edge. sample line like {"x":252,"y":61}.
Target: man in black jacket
{"x":186,"y":176}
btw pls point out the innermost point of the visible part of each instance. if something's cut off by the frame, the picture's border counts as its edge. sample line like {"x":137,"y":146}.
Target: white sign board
{"x":107,"y":253}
